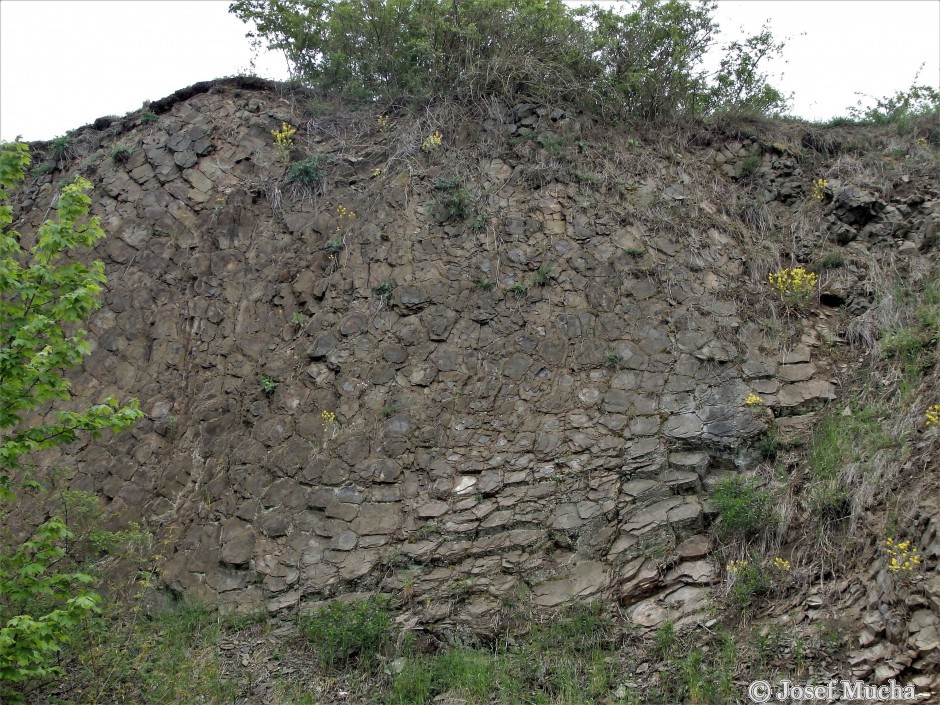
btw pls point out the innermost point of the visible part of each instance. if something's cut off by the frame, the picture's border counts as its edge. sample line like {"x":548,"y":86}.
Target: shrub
{"x":120,"y":154}
{"x":346,"y":631}
{"x":750,"y":580}
{"x":901,"y":109}
{"x":61,"y":147}
{"x":750,"y":164}
{"x":147,"y":117}
{"x":832,"y":260}
{"x":45,"y":295}
{"x":307,"y":172}
{"x":646,"y":62}
{"x":744,"y":511}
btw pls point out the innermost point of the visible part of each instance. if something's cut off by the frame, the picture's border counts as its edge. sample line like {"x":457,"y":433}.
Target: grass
{"x":582,"y":655}
{"x":518,"y":289}
{"x":349,"y":632}
{"x":744,"y":510}
{"x":543,"y":275}
{"x":132,"y":658}
{"x":839,"y":442}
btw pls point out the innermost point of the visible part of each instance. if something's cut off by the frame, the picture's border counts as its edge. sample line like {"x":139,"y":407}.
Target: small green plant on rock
{"x":384,"y":288}
{"x":268,"y":384}
{"x":485,"y":284}
{"x":298,"y":318}
{"x":613,"y":361}
{"x":147,"y":117}
{"x":543,"y":275}
{"x":453,"y":201}
{"x":518,"y":289}
{"x":121,"y":154}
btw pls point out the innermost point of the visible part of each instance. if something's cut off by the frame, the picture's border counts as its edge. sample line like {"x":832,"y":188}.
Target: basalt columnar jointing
{"x":554,"y":439}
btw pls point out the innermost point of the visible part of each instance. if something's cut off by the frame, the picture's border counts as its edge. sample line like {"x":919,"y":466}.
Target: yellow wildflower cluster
{"x":377,"y":172}
{"x":819,"y":189}
{"x":343,"y":217}
{"x":754,"y":400}
{"x":782,"y":564}
{"x":933,"y":415}
{"x":795,"y":286}
{"x":735,"y":567}
{"x":283,"y":141}
{"x":433,"y":142}
{"x":329,"y":422}
{"x":922,"y":141}
{"x":902,"y":557}
{"x":384,"y":122}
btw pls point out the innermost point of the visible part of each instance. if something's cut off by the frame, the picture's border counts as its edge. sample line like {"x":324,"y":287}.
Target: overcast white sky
{"x":65,"y":63}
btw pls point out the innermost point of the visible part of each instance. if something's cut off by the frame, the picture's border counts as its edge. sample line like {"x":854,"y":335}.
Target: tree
{"x":44,"y":297}
{"x":641,"y":60}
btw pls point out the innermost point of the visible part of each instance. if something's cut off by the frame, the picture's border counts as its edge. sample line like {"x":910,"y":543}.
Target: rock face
{"x":428,"y":417}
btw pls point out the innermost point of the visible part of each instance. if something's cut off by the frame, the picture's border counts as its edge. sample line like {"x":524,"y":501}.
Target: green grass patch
{"x":345,"y":633}
{"x":744,"y":510}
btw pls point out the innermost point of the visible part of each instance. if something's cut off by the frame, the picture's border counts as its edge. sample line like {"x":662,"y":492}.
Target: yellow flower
{"x":819,"y":189}
{"x":283,"y":142}
{"x":433,"y":142}
{"x":781,"y":564}
{"x":933,"y":415}
{"x":795,"y":286}
{"x":902,"y":556}
{"x":754,"y":400}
